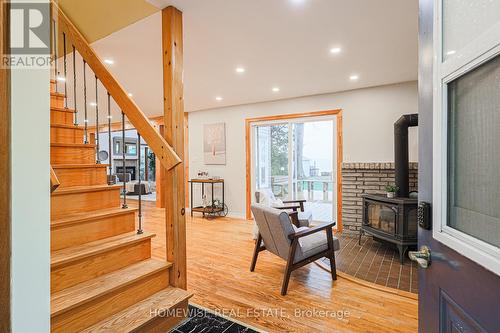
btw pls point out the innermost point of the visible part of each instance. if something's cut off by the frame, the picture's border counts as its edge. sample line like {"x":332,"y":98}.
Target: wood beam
{"x":173,"y":108}
{"x":5,"y":188}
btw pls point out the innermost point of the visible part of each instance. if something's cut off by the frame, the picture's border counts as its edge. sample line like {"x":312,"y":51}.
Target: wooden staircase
{"x":103,"y":277}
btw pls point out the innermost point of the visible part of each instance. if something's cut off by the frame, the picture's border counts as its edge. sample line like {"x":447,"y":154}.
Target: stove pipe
{"x":401,"y":159}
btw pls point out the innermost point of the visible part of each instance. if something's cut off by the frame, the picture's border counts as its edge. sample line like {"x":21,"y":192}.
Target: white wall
{"x":30,"y":126}
{"x":368,"y":118}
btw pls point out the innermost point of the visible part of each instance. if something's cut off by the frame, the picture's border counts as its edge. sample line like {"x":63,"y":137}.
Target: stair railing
{"x":165,"y":153}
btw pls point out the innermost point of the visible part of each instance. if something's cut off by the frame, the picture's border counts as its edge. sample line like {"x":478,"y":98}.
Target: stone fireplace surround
{"x":366,"y":178}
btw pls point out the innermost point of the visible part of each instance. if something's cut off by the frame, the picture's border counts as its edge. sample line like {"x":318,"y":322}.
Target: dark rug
{"x":203,"y":321}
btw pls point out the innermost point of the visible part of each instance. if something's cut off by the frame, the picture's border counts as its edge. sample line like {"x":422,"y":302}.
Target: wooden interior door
{"x":460,"y":289}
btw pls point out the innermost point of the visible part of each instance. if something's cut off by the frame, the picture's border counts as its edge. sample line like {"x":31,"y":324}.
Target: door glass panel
{"x":474,"y":153}
{"x":271,"y":158}
{"x":464,"y":20}
{"x":313,"y":167}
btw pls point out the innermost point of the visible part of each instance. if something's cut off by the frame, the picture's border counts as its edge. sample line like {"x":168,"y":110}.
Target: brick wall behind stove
{"x":366,"y":178}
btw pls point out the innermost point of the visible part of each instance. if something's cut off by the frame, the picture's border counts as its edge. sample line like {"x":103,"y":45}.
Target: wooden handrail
{"x":54,"y":181}
{"x":155,"y":141}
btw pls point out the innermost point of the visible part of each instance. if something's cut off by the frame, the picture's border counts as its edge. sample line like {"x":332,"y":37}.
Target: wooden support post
{"x":5,"y":213}
{"x":173,"y":111}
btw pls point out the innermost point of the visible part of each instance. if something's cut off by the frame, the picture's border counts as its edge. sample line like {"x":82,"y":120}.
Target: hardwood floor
{"x":218,"y":259}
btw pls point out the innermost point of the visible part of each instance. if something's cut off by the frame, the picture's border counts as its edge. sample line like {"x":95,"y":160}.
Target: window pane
{"x":464,"y":20}
{"x":474,"y":153}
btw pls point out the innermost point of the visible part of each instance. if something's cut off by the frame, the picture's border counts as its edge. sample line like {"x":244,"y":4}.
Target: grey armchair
{"x":297,"y":246}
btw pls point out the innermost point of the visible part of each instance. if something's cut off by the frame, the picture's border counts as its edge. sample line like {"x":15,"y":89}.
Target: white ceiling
{"x":281,"y":43}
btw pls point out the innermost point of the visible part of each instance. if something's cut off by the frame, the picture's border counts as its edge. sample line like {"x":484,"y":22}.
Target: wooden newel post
{"x":173,"y":186}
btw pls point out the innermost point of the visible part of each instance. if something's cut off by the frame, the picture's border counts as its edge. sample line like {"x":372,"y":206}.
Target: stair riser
{"x":88,"y":231}
{"x":164,"y":322}
{"x":107,"y":305}
{"x":80,"y":177}
{"x":61,"y":117}
{"x":91,"y":267}
{"x":56,"y":101}
{"x":72,"y":155}
{"x":66,"y":135}
{"x":81,"y":202}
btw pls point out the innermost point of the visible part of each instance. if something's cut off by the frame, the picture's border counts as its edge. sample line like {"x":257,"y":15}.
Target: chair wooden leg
{"x":333,"y":265}
{"x":286,"y":278}
{"x":289,"y":266}
{"x":256,"y":253}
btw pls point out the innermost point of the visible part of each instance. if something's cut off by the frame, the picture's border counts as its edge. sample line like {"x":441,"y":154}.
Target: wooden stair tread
{"x":75,"y":145}
{"x":78,"y":166}
{"x":56,"y":108}
{"x":83,"y":189}
{"x":70,"y":254}
{"x":77,"y":127}
{"x":138,"y":315}
{"x":88,"y":216}
{"x":56,"y":94}
{"x":69,"y":298}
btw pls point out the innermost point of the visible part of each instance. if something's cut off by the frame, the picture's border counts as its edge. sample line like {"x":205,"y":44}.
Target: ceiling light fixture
{"x":109,"y":61}
{"x":218,"y":98}
{"x":276,"y":89}
{"x":451,"y":52}
{"x":240,"y":70}
{"x":335,"y":50}
{"x":354,"y":77}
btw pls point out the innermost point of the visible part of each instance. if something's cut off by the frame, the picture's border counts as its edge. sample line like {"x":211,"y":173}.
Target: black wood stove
{"x":394,"y":219}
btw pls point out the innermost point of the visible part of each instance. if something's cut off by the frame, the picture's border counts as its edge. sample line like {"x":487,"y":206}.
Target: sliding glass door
{"x":296,"y":160}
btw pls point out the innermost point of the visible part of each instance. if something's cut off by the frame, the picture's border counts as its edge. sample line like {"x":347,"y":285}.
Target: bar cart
{"x":217,"y":208}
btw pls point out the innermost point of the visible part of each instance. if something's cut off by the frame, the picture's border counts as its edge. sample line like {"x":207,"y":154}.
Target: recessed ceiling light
{"x":93,"y":104}
{"x":276,"y":89}
{"x":130,"y":95}
{"x":109,"y":61}
{"x":218,"y":98}
{"x":354,"y":77}
{"x":61,"y":78}
{"x":335,"y":50}
{"x":451,"y":52}
{"x":240,"y":70}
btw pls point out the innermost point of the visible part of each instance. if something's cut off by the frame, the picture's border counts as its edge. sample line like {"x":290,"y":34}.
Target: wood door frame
{"x":248,"y":147}
{"x":5,"y":175}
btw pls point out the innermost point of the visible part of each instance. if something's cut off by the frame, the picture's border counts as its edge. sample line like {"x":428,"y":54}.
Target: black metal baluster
{"x":55,"y":52}
{"x":124,"y":173}
{"x":97,"y":122}
{"x":86,"y":119}
{"x":139,"y":231}
{"x":65,"y":72}
{"x":110,"y":179}
{"x":74,"y":86}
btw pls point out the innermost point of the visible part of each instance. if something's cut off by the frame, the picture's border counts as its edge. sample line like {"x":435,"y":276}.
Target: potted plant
{"x":391,"y":190}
